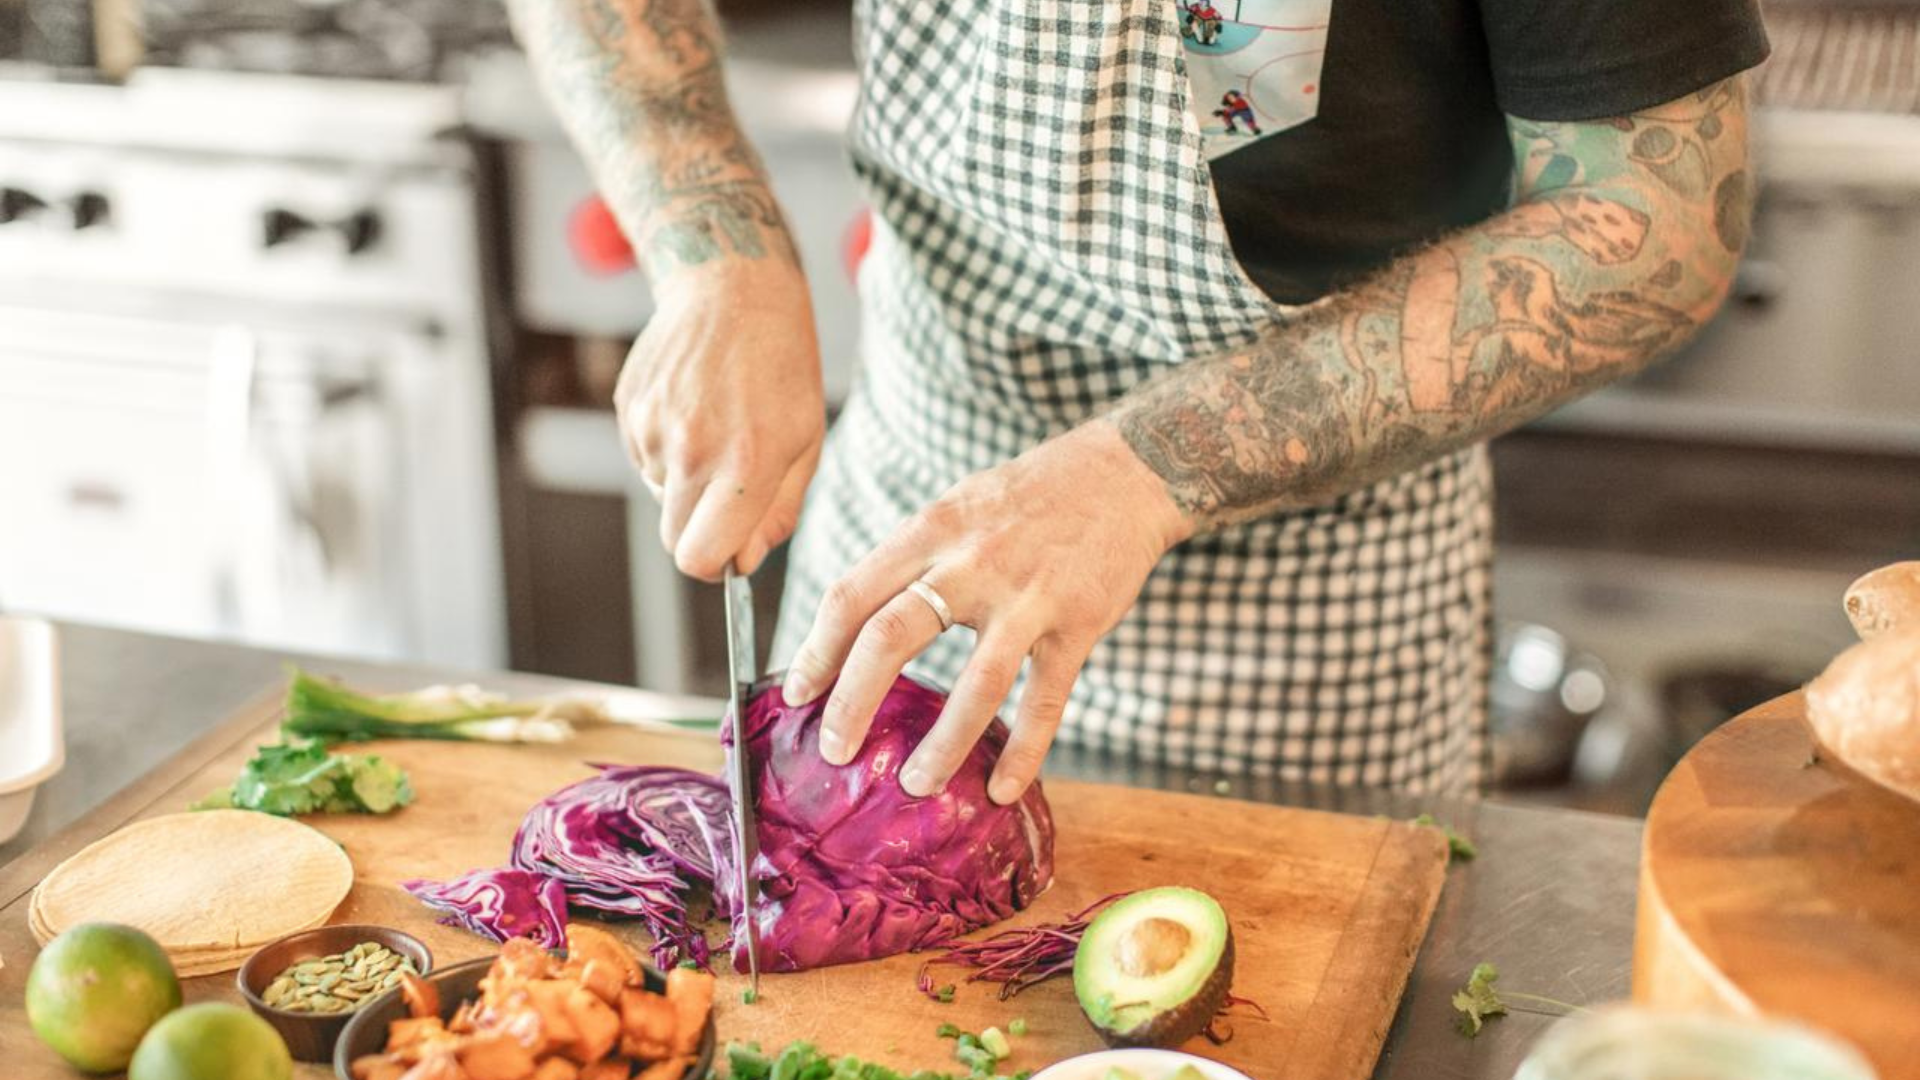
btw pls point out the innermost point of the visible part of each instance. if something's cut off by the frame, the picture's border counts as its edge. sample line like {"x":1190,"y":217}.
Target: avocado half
{"x":1154,"y":968}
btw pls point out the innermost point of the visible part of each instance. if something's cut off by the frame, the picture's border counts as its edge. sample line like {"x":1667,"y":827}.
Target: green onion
{"x":995,"y":1043}
{"x":319,"y":708}
{"x":1018,"y":1027}
{"x":948,"y":1031}
{"x":749,"y":996}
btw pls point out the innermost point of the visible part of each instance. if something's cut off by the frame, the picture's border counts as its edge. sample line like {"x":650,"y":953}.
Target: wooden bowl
{"x":366,"y":1031}
{"x":310,"y":1036}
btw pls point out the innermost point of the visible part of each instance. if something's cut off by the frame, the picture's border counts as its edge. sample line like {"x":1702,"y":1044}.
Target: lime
{"x":211,"y":1041}
{"x":95,"y":990}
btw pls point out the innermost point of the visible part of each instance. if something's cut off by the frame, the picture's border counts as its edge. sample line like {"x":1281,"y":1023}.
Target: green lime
{"x":211,"y":1041}
{"x":95,"y":990}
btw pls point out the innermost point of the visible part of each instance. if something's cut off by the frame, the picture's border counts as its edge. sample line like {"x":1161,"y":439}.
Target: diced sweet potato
{"x":496,"y":1057}
{"x":670,"y":1069}
{"x":557,"y":1069}
{"x":647,"y":1024}
{"x":587,"y":943}
{"x":604,"y":978}
{"x":421,"y":996}
{"x":377,"y":1067}
{"x":522,"y":959}
{"x":610,"y":1069}
{"x":549,"y":999}
{"x":524,"y":1025}
{"x":413,"y":1029}
{"x":691,"y":993}
{"x":598,"y":1026}
{"x":438,"y":1066}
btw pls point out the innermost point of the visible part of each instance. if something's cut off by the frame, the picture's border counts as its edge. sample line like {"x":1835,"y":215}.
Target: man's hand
{"x":722,"y":411}
{"x":720,"y":402}
{"x":1041,"y":555}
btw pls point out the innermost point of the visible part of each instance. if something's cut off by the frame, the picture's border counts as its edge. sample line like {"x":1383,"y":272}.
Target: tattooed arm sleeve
{"x":638,"y":85}
{"x":1621,"y":242}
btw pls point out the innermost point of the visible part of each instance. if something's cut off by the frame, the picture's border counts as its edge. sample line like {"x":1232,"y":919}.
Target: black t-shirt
{"x":1410,"y":138}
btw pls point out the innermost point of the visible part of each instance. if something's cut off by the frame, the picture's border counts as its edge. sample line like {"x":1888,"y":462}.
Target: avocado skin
{"x":1174,"y":1026}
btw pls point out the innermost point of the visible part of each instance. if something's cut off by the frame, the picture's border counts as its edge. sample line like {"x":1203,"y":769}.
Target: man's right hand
{"x":722,"y":410}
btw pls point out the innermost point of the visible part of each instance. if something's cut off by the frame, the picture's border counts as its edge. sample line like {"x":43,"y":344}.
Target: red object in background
{"x":596,"y":239}
{"x":855,"y":242}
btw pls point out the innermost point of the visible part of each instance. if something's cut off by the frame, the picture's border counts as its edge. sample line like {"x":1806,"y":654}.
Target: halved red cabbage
{"x":851,"y":867}
{"x":500,"y":904}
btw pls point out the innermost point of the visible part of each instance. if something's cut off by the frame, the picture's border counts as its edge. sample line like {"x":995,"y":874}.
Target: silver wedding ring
{"x":934,"y":600}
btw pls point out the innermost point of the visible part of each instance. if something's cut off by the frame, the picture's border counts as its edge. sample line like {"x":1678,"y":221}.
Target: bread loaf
{"x":1865,"y":708}
{"x":1884,"y":599}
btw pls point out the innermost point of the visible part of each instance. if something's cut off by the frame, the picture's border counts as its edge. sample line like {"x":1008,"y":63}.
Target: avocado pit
{"x":1152,"y":947}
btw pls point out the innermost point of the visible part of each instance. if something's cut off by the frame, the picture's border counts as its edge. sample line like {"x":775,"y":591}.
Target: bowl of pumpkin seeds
{"x":307,"y":984}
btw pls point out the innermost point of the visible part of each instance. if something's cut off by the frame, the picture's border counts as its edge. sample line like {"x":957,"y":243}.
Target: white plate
{"x":31,"y":747}
{"x":1146,"y":1064}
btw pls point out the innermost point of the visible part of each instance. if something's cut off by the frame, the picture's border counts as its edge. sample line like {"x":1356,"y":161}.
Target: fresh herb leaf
{"x":948,"y":1031}
{"x":746,"y":1062}
{"x":1477,"y":1002}
{"x":749,"y":996}
{"x":304,"y":778}
{"x":1459,"y":848}
{"x":804,"y":1061}
{"x":945,"y":994}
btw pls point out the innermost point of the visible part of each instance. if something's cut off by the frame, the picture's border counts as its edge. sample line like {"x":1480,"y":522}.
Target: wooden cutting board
{"x":1776,"y":882}
{"x":1328,"y":910}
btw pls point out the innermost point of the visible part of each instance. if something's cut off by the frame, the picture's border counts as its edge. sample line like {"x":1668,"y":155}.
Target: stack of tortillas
{"x":210,"y":886}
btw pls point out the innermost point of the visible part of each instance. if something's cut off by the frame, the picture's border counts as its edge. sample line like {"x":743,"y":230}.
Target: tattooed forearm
{"x":638,"y":84}
{"x":1620,"y":245}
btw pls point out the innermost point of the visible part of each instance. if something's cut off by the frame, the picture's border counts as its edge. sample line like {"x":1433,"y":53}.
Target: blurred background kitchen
{"x":309,"y":323}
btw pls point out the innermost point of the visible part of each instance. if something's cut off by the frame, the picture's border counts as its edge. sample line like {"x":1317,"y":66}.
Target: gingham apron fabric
{"x":1046,"y":237}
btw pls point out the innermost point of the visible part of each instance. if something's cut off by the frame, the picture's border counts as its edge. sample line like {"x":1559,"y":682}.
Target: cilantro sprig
{"x":1477,"y":1002}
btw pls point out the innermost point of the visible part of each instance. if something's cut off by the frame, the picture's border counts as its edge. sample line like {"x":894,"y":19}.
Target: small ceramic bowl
{"x":310,"y":1036}
{"x":1146,"y":1064}
{"x":366,"y":1032}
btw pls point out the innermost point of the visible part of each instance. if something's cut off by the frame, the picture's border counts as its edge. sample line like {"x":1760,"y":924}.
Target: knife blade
{"x":746,"y":840}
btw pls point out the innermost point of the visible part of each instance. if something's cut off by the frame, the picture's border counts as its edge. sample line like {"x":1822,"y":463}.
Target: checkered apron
{"x":1046,"y":237}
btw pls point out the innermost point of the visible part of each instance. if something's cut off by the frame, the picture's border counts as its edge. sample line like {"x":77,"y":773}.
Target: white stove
{"x":244,"y":372}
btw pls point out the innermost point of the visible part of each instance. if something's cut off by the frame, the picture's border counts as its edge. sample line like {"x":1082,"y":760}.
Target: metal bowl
{"x":366,"y":1032}
{"x":310,"y":1036}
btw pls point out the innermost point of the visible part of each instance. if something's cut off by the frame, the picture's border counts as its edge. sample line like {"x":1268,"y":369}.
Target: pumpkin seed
{"x":337,"y":983}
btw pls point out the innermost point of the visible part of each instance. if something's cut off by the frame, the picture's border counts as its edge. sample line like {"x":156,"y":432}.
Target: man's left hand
{"x":1041,"y":556}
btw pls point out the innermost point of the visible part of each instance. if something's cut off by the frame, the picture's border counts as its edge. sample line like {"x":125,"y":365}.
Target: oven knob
{"x":17,"y":203}
{"x":87,"y":209}
{"x":360,"y":230}
{"x":279,"y":226}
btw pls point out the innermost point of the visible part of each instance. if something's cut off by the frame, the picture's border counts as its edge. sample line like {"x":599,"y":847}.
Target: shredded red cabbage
{"x":601,"y":839}
{"x":850,"y":868}
{"x":500,"y":904}
{"x":1018,"y":958}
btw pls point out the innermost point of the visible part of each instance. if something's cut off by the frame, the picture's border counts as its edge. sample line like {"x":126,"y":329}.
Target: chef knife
{"x":746,"y":838}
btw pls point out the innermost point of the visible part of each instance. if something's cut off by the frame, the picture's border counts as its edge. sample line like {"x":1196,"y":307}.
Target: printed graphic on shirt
{"x":1254,"y":66}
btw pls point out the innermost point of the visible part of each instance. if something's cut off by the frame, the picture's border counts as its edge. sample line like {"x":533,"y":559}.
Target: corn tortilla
{"x":210,"y":886}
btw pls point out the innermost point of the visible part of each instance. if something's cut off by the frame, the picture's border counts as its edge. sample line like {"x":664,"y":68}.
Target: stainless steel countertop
{"x":1549,"y":900}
